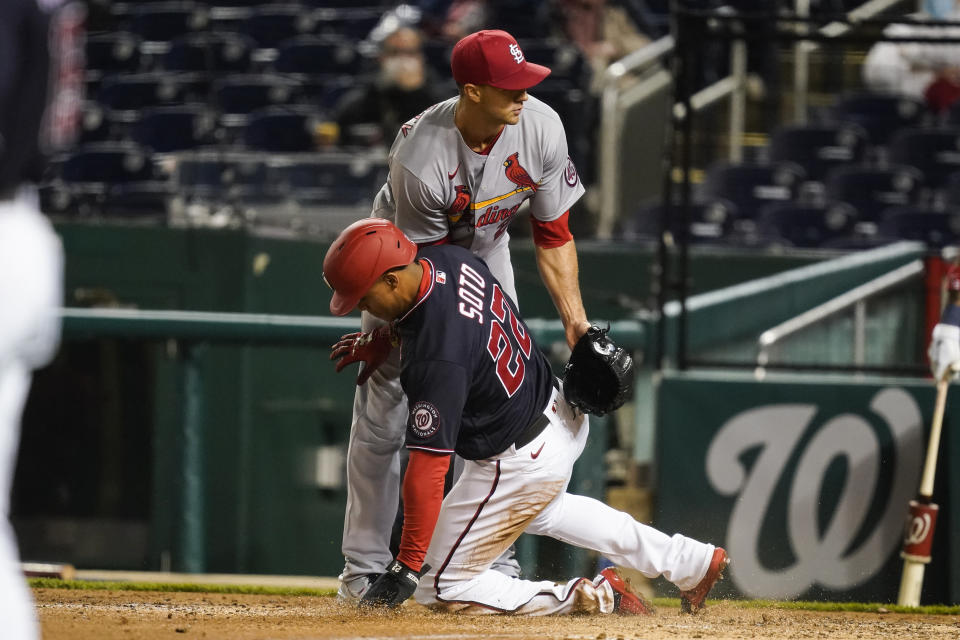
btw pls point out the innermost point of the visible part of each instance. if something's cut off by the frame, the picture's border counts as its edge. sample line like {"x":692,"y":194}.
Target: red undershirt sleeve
{"x":422,"y":496}
{"x":553,"y":234}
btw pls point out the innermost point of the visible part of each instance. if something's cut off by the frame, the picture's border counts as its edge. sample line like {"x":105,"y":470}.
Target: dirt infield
{"x":128,"y":615}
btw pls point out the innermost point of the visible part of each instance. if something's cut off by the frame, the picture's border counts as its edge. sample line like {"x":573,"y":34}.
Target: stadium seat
{"x":107,"y":162}
{"x":871,"y":190}
{"x":243,"y":94}
{"x":269,"y":25}
{"x":353,"y":24}
{"x":210,"y":52}
{"x":175,"y":128}
{"x":934,"y":227}
{"x":806,"y":226}
{"x":564,"y":59}
{"x":818,"y":148}
{"x":164,"y":21}
{"x":117,"y":52}
{"x":879,"y":114}
{"x":332,"y":179}
{"x":282,"y":129}
{"x":936,"y":152}
{"x":214,"y":176}
{"x":751,"y":186}
{"x":136,"y":91}
{"x":710,"y":222}
{"x":149,"y":199}
{"x":317,"y":55}
{"x":952,"y":190}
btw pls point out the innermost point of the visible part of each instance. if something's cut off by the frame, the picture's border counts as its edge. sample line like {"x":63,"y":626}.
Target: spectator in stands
{"x":402,"y":89}
{"x":927,"y":71}
{"x":602,"y":29}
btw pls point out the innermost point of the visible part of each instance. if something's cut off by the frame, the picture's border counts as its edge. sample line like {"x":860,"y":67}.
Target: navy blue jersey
{"x":473,"y":375}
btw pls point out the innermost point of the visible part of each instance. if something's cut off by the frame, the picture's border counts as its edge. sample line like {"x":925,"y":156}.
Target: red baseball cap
{"x":494,"y":58}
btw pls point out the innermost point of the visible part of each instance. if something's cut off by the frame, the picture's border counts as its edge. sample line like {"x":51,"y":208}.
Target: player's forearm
{"x":559,"y":270}
{"x":422,"y":497}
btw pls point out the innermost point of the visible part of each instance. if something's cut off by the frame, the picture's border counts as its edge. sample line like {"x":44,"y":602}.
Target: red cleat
{"x":692,"y":601}
{"x":625,"y":600}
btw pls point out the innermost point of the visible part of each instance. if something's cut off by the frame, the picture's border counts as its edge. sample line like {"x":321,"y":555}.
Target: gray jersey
{"x":438,"y":187}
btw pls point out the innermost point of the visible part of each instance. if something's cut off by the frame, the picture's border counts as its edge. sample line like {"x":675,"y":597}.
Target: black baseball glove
{"x":393,"y":587}
{"x":599,"y":376}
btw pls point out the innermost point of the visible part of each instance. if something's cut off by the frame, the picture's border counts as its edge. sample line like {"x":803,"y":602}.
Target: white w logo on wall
{"x":826,"y":558}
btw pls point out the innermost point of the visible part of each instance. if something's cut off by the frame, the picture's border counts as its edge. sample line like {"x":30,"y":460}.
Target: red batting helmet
{"x":953,"y":278}
{"x":363,"y":252}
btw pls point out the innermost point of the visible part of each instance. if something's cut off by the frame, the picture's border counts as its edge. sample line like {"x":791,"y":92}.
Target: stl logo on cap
{"x":516,"y":53}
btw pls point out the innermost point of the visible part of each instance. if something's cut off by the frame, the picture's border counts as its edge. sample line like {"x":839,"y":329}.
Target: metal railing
{"x":856,"y":298}
{"x":193,"y":331}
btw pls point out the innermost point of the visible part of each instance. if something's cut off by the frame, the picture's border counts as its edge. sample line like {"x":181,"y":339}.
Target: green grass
{"x":864,"y":607}
{"x":55,"y":583}
{"x":801,"y":605}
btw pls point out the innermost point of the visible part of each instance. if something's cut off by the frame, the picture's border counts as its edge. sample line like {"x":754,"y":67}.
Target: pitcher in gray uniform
{"x":459,"y":172}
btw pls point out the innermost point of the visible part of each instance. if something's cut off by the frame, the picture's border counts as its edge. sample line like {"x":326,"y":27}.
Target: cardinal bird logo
{"x":517,"y":174}
{"x":460,"y":203}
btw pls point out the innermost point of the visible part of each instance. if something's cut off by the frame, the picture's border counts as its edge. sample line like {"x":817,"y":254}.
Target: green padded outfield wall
{"x":805,"y":481}
{"x":273,"y":416}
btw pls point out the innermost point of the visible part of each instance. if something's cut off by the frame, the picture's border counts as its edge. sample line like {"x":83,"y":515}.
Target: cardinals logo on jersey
{"x":517,"y":174}
{"x":460,"y":203}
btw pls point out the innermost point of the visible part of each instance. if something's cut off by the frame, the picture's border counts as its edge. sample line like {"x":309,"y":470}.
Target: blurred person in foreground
{"x":41,"y":79}
{"x":944,"y":350}
{"x":924,"y":70}
{"x":402,"y":88}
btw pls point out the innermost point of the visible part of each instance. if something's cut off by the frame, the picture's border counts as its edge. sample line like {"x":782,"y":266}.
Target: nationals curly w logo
{"x":831,"y":550}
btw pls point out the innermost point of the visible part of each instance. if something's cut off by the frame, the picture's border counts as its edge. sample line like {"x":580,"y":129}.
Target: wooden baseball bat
{"x":911,"y":581}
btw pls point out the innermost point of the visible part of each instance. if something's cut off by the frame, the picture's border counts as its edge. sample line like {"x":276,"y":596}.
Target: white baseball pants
{"x":524,"y":489}
{"x":31,"y":291}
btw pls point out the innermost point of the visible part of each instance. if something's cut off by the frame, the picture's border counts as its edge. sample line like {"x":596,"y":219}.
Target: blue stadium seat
{"x":437,"y":56}
{"x":936,"y":152}
{"x":175,"y":128}
{"x":107,"y":162}
{"x":148,"y":199}
{"x":806,"y":226}
{"x":215,"y":176}
{"x":243,"y":94}
{"x":710,"y":222}
{"x":332,"y":179}
{"x":164,"y":21}
{"x":952,"y":190}
{"x":354,"y":23}
{"x":136,"y":91}
{"x":818,"y":148}
{"x":269,"y":25}
{"x":879,"y":114}
{"x":117,"y":52}
{"x":871,"y":190}
{"x":934,"y":227}
{"x":564,"y":59}
{"x":210,"y":52}
{"x":317,"y":55}
{"x":751,"y":186}
{"x":282,"y":129}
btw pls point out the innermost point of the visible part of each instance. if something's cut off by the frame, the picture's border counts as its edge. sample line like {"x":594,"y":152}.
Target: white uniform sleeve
{"x":31,"y":286}
{"x":560,"y":185}
{"x":419,"y":211}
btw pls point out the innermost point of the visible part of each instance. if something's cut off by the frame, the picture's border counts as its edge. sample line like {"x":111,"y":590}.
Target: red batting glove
{"x":371,"y":348}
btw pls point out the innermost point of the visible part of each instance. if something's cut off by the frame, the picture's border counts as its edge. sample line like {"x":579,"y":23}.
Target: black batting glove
{"x":393,"y":587}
